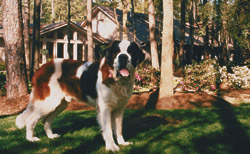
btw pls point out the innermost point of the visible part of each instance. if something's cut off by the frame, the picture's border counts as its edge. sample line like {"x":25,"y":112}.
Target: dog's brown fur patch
{"x":41,"y":79}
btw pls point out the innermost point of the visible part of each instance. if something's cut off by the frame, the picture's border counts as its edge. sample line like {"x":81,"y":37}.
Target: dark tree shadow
{"x":235,"y":133}
{"x":233,"y":139}
{"x":152,"y":101}
{"x":72,"y":122}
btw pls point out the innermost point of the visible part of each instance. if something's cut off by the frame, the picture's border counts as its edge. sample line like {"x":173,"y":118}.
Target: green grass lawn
{"x":220,"y":130}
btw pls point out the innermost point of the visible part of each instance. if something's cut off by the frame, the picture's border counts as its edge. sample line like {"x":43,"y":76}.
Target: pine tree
{"x":153,"y":43}
{"x":89,"y":31}
{"x":166,"y":84}
{"x":16,"y":77}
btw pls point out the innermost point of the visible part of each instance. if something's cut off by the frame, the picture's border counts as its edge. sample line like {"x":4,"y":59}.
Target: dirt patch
{"x":13,"y":106}
{"x":143,"y":100}
{"x":17,"y":105}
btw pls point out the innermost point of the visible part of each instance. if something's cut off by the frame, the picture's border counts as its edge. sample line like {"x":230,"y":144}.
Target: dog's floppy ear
{"x":111,"y":51}
{"x":107,"y":72}
{"x":137,"y":55}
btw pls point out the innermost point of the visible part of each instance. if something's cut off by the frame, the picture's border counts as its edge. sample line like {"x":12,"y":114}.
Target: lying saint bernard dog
{"x":107,"y":86}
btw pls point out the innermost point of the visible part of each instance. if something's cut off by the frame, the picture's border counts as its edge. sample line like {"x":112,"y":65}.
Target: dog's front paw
{"x":125,"y":143}
{"x":52,"y":136}
{"x":33,"y":139}
{"x":112,"y":147}
{"x":121,"y":141}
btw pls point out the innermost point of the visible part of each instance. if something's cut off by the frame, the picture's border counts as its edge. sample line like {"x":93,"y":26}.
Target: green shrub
{"x":206,"y":75}
{"x":146,"y":77}
{"x":201,"y":77}
{"x":2,"y":84}
{"x":2,"y":66}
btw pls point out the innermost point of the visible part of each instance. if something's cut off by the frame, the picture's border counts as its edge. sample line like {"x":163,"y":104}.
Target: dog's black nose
{"x":123,"y":60}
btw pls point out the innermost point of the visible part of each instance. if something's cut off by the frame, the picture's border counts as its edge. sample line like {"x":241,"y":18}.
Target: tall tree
{"x":191,"y":32}
{"x":16,"y":77}
{"x":183,"y":26}
{"x":34,"y":64}
{"x":166,"y":84}
{"x":153,"y":43}
{"x":26,"y":32}
{"x":52,"y":12}
{"x":205,"y":27}
{"x":117,"y":24}
{"x":125,"y":19}
{"x":133,"y":20}
{"x":89,"y":31}
{"x":70,"y":54}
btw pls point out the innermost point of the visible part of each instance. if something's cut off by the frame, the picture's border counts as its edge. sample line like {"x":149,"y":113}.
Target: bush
{"x":239,"y":78}
{"x":2,"y":84}
{"x":2,"y":66}
{"x":201,"y":77}
{"x":207,"y":75}
{"x":146,"y":77}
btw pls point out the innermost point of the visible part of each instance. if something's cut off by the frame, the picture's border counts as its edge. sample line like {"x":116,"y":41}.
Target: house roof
{"x":141,"y":23}
{"x":55,"y":26}
{"x":142,"y":26}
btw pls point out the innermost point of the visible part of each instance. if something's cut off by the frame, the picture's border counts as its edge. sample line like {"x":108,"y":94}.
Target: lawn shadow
{"x":137,"y":122}
{"x":232,"y":139}
{"x":235,"y":134}
{"x":88,"y":146}
{"x":74,"y":121}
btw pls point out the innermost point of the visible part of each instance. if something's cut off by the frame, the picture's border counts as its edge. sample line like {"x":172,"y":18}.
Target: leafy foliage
{"x":239,"y":23}
{"x":2,"y":79}
{"x":146,"y":77}
{"x":2,"y":84}
{"x":239,"y":78}
{"x":207,"y":75}
{"x":2,"y":66}
{"x":200,"y":77}
{"x":78,"y":10}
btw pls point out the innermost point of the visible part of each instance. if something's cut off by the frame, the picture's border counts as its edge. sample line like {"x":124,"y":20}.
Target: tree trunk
{"x":133,"y":20}
{"x":16,"y":77}
{"x":34,"y":65}
{"x":125,"y":19}
{"x":26,"y":34}
{"x":224,"y":44}
{"x":153,"y":43}
{"x":118,"y":29}
{"x":191,"y":33}
{"x":183,"y":26}
{"x":89,"y":31}
{"x":166,"y":85}
{"x":206,"y":36}
{"x":70,"y":53}
{"x":52,"y":12}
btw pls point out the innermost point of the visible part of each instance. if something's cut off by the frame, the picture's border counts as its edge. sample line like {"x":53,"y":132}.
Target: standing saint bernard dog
{"x":107,"y":86}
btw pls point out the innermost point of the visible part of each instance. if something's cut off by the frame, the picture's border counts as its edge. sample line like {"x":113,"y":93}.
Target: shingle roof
{"x":54,"y":26}
{"x":142,"y":26}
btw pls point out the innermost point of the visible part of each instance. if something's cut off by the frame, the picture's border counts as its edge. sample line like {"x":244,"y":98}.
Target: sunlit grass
{"x":219,"y":130}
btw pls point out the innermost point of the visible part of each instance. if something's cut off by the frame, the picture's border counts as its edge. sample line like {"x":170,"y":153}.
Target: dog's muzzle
{"x":122,"y":68}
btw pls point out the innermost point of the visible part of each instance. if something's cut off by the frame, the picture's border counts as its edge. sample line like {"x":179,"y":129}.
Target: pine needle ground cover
{"x":224,"y":129}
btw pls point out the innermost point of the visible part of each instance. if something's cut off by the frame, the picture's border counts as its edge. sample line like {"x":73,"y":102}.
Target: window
{"x":79,"y":51}
{"x":60,"y":50}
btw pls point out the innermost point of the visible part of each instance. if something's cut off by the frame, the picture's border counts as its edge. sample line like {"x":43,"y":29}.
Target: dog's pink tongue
{"x":124,"y":72}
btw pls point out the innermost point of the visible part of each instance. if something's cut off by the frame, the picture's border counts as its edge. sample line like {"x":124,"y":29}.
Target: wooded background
{"x":224,"y":25}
